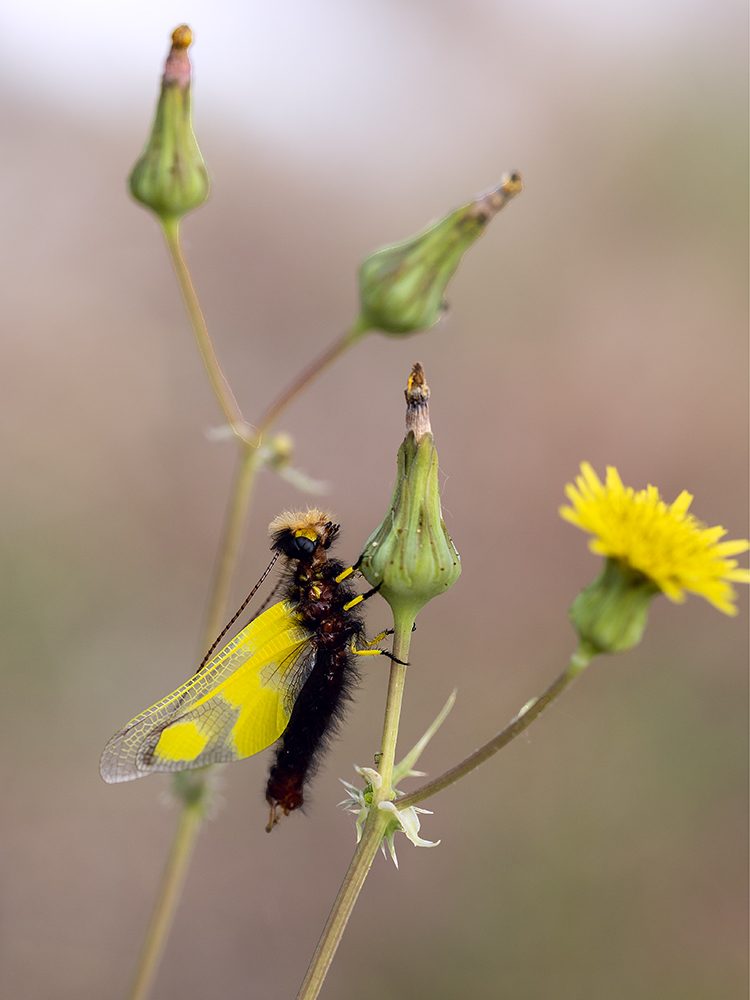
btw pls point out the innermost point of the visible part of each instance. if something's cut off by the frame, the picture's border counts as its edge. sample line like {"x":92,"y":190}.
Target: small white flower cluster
{"x":405,"y":820}
{"x":360,"y":800}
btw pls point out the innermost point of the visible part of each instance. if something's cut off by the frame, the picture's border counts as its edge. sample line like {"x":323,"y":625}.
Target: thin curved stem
{"x":580,"y":659}
{"x":195,"y":794}
{"x":170,"y":888}
{"x":235,"y":519}
{"x":224,"y":394}
{"x":329,"y":355}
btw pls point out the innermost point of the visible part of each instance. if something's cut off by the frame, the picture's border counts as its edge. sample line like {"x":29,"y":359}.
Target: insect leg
{"x":378,"y":651}
{"x":363,"y":597}
{"x":349,"y":571}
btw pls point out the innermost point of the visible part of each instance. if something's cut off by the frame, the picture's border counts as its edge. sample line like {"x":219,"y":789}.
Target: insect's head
{"x":299,"y":535}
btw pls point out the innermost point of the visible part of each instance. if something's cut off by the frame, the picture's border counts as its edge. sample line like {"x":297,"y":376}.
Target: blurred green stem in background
{"x":219,"y":383}
{"x":191,"y":818}
{"x":246,"y":436}
{"x":195,"y":797}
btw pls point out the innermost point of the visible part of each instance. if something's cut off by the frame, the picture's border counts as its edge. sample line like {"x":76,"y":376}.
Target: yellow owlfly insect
{"x":286,"y":675}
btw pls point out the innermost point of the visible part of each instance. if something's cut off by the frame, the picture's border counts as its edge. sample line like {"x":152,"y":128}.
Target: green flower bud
{"x":610,"y":615}
{"x":170,"y":177}
{"x":411,"y":556}
{"x":402,"y":287}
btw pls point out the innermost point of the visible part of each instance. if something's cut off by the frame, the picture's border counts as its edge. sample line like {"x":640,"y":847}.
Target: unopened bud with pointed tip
{"x":170,"y":177}
{"x":402,"y":287}
{"x":411,"y":556}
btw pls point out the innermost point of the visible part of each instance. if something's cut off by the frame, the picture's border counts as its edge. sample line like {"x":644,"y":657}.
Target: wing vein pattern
{"x":235,"y":706}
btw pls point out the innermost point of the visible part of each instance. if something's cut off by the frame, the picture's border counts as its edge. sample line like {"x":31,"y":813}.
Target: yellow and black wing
{"x":235,"y":706}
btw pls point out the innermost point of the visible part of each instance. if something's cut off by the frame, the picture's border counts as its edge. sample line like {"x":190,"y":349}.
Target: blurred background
{"x":602,"y":317}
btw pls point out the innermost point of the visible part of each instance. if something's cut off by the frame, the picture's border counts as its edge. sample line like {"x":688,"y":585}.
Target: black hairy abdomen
{"x":315,"y":718}
{"x":320,"y":705}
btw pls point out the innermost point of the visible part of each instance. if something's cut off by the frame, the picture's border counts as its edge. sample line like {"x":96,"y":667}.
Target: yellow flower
{"x":662,"y":541}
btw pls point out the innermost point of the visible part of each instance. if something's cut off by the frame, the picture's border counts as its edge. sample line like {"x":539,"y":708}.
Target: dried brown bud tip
{"x":402,"y":286}
{"x":411,"y":557}
{"x":417,"y":394}
{"x":487,"y":205}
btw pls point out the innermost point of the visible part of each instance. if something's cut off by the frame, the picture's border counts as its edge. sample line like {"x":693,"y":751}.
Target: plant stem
{"x":396,"y":681}
{"x":580,"y":659}
{"x":227,"y":402}
{"x":229,"y":547}
{"x":195,"y":796}
{"x":329,"y":355}
{"x":166,"y":902}
{"x":372,"y":837}
{"x":376,"y":824}
{"x":342,"y":908}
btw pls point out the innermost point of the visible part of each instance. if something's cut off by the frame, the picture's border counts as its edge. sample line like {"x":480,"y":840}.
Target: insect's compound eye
{"x":300,"y":546}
